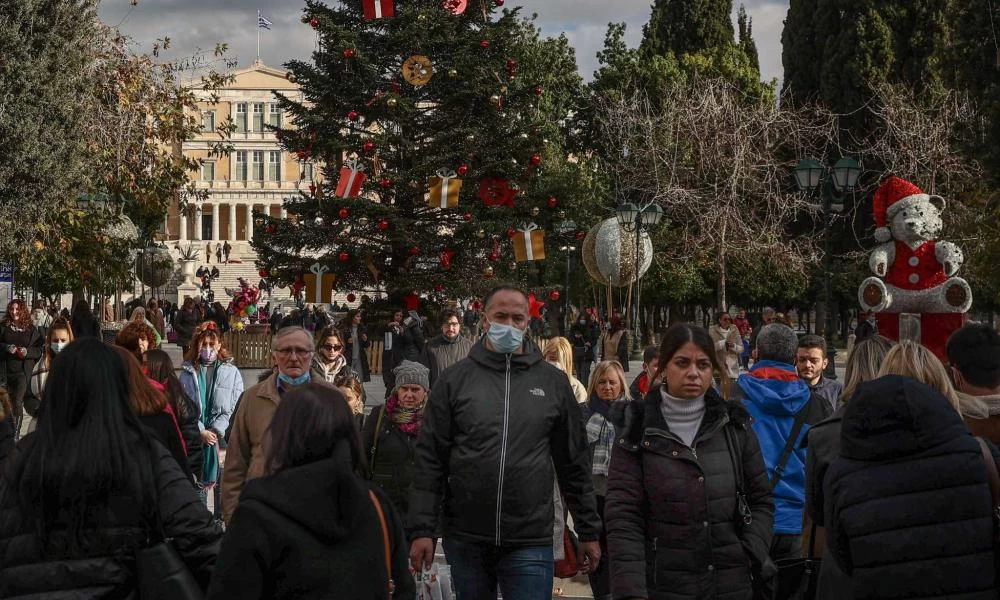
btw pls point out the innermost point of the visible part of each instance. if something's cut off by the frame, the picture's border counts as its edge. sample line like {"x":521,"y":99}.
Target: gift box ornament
{"x":379,"y":9}
{"x":318,"y":284}
{"x":352,"y":177}
{"x":444,"y":189}
{"x":529,"y":244}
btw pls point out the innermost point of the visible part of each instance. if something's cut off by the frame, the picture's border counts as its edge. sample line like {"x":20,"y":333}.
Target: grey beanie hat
{"x":412,"y":373}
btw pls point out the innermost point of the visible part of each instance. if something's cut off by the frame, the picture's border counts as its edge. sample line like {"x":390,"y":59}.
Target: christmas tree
{"x":441,"y":155}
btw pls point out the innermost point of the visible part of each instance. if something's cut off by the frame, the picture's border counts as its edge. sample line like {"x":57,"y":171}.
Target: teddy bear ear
{"x":882,"y":234}
{"x":937,"y":202}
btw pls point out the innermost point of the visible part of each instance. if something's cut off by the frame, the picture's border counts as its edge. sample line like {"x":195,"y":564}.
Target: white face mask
{"x":57,"y":347}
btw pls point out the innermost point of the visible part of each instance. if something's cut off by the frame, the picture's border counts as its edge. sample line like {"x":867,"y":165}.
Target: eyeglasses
{"x":452,"y":324}
{"x":289,"y":352}
{"x":331,"y":347}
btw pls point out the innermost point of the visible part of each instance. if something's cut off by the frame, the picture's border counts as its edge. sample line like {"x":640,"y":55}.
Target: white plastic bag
{"x":435,"y":583}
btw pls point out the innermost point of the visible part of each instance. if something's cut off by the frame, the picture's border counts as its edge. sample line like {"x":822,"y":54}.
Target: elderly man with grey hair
{"x":783,"y":409}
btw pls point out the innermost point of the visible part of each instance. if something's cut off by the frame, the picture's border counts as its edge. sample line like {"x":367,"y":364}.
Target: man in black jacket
{"x":495,"y":426}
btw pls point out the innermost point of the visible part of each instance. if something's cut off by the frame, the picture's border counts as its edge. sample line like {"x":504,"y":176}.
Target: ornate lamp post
{"x":831,"y":185}
{"x":631,"y":218}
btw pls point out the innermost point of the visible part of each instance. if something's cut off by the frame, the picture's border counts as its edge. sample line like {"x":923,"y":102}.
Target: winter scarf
{"x":408,"y":420}
{"x":600,"y":434}
{"x":210,"y":463}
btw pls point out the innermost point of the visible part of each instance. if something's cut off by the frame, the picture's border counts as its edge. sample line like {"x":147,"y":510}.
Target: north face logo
{"x":537,"y":392}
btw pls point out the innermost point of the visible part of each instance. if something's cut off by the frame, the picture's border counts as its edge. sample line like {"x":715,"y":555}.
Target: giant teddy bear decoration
{"x":914,"y":271}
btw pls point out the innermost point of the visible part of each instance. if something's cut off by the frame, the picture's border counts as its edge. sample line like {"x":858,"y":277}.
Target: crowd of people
{"x":704,"y":476}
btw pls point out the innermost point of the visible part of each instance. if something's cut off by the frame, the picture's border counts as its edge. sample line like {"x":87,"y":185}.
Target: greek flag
{"x":262,"y":22}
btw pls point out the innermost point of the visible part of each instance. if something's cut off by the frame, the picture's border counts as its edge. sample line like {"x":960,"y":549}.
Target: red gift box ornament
{"x":352,"y":177}
{"x":379,"y":9}
{"x":496,"y":191}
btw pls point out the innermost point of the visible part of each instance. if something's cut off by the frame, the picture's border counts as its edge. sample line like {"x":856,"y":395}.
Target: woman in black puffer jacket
{"x":81,"y":494}
{"x":674,"y":527}
{"x":907,"y":504}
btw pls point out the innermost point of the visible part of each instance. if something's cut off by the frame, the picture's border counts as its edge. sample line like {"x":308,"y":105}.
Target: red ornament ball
{"x":553,"y":202}
{"x":511,"y":233}
{"x":344,"y":256}
{"x":302,"y":154}
{"x":314,"y":22}
{"x":368,"y":146}
{"x":467,"y":217}
{"x":580,"y":235}
{"x":463,"y":169}
{"x":498,"y":2}
{"x":264,"y":273}
{"x":538,"y":90}
{"x":439,"y":288}
{"x":269,"y":229}
{"x":493,"y":257}
{"x":344,"y":214}
{"x":536,"y":159}
{"x":353,"y":115}
{"x":484,"y":44}
{"x":348,"y":52}
{"x":351,"y":297}
{"x":385,"y":183}
{"x":414,"y":251}
{"x":554,"y":295}
{"x":383,"y":225}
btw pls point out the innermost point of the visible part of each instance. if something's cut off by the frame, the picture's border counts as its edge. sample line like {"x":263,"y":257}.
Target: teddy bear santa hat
{"x":892,"y":196}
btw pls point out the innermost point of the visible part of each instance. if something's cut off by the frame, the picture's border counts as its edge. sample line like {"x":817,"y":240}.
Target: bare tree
{"x":721,"y":167}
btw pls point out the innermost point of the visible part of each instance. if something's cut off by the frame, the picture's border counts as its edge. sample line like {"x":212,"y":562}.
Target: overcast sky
{"x":192,"y":24}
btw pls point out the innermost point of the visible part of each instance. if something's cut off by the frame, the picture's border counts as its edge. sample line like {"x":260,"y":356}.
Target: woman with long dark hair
{"x":20,"y":347}
{"x":160,"y":371}
{"x":689,"y":510}
{"x":90,"y":487}
{"x":313,"y":528}
{"x":83,"y":321}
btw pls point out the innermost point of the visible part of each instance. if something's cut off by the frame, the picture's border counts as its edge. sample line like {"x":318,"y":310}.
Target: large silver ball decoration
{"x":122,"y":229}
{"x":154,"y":266}
{"x":590,"y":257}
{"x":614,"y":253}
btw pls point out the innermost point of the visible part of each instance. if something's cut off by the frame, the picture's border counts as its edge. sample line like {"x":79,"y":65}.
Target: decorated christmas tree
{"x":443,"y":160}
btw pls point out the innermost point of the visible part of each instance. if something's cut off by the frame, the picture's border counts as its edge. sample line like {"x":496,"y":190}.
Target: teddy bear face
{"x":917,"y":222}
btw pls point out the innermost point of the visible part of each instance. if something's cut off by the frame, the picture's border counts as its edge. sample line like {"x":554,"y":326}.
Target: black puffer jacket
{"x":392,"y":462}
{"x":107,"y":568}
{"x":495,"y":426}
{"x":907,"y":503}
{"x":672,"y":512}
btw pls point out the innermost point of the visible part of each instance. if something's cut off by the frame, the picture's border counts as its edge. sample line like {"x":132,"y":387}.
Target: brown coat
{"x":246,"y":455}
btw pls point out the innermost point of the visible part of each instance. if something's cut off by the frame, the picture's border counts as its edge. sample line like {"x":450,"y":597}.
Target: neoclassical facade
{"x":257,"y":175}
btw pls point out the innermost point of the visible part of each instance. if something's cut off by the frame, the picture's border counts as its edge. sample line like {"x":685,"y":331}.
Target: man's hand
{"x":209,"y":437}
{"x":591,"y":556}
{"x":422,"y":554}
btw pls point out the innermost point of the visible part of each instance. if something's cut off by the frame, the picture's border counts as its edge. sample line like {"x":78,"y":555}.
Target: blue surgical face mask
{"x":295,"y":381}
{"x":57,"y":347}
{"x":505,"y":338}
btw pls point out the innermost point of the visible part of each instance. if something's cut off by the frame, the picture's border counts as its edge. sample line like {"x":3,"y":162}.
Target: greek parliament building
{"x":257,"y":175}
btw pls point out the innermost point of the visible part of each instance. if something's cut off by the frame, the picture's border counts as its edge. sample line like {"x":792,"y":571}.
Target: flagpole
{"x":258,"y":36}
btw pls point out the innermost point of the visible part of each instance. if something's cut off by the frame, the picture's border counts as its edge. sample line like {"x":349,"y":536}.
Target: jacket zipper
{"x":655,"y":577}
{"x":503,"y":446}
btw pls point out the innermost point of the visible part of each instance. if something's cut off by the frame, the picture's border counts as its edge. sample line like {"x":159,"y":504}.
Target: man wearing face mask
{"x":497,"y":424}
{"x":246,"y":455}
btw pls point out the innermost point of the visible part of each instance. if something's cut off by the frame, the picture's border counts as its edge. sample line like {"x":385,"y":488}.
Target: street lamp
{"x":631,"y":218}
{"x":569,"y":250}
{"x":833,"y":184}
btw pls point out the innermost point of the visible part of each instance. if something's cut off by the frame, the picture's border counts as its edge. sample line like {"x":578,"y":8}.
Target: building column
{"x":216,"y":209}
{"x":182,"y":220}
{"x":249,"y":222}
{"x":197,"y":222}
{"x":232,"y":222}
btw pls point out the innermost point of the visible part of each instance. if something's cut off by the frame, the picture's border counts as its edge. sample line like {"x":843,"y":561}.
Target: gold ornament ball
{"x":422,"y":18}
{"x":487,"y":271}
{"x":495,"y":99}
{"x":561,"y":214}
{"x":480,"y":233}
{"x":453,"y":73}
{"x":363,"y":221}
{"x":391,"y":102}
{"x":524,"y":136}
{"x":534,"y":211}
{"x":513,"y":161}
{"x":470,"y":138}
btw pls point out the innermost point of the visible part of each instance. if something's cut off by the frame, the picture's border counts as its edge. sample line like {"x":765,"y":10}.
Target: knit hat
{"x":412,"y":373}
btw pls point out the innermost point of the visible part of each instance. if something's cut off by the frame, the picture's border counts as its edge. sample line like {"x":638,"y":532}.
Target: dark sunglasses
{"x":332,"y":347}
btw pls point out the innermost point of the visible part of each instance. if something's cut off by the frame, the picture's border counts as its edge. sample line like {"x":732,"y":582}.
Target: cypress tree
{"x":687,"y":26}
{"x":746,"y":42}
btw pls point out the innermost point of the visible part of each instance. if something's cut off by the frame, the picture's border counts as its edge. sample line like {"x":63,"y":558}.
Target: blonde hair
{"x":599,"y":371}
{"x":561,"y":347}
{"x":913,"y":360}
{"x":863,"y":364}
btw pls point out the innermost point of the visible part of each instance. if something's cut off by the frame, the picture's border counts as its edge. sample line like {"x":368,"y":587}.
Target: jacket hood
{"x":324,"y":496}
{"x":774,"y":388}
{"x":896,"y":416}
{"x":498,"y":362}
{"x":979,"y":407}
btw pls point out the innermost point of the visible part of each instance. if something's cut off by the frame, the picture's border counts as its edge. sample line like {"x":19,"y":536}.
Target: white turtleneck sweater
{"x":683,"y":417}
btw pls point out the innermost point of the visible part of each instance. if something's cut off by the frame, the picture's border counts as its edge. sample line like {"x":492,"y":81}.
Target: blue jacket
{"x":773,"y":399}
{"x":228,"y":389}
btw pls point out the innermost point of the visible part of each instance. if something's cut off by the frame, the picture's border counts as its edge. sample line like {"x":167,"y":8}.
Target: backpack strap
{"x":385,"y":540}
{"x":374,"y":451}
{"x":786,"y":453}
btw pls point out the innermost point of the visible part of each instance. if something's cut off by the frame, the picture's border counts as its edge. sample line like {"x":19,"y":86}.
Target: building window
{"x":208,"y":121}
{"x":306,"y":170}
{"x":241,"y":165}
{"x":258,"y":165}
{"x":274,"y":117}
{"x":274,"y":166}
{"x":241,"y":117}
{"x":208,"y":170}
{"x":258,"y":116}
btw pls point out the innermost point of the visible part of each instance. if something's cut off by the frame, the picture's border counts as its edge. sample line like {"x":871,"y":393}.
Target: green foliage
{"x":473,"y":112}
{"x":745,"y":39}
{"x":687,"y":27}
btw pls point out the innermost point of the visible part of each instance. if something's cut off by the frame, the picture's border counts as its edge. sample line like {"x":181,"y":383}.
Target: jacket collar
{"x":646,"y":415}
{"x":498,"y":362}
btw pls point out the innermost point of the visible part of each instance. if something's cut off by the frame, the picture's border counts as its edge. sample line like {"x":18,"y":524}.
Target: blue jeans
{"x":477,"y":568}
